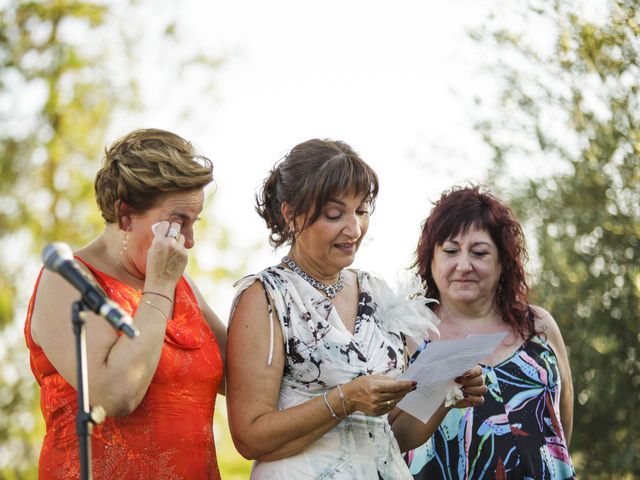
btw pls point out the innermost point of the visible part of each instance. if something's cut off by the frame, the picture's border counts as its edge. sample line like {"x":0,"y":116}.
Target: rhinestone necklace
{"x":329,"y":290}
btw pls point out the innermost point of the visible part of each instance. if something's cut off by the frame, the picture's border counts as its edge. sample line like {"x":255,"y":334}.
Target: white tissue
{"x":453,"y":396}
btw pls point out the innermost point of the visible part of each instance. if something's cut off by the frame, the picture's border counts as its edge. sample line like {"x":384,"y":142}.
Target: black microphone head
{"x":54,"y":254}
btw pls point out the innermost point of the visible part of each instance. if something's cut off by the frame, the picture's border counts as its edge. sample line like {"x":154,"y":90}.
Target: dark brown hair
{"x":310,"y":175}
{"x":143,"y":166}
{"x":461,"y":209}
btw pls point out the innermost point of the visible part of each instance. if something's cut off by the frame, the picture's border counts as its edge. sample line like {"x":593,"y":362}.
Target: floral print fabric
{"x":515,"y":434}
{"x":320,"y":354}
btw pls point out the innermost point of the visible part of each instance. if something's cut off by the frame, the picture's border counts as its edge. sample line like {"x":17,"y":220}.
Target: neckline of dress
{"x":343,"y":328}
{"x":516,"y":352}
{"x":104,"y":274}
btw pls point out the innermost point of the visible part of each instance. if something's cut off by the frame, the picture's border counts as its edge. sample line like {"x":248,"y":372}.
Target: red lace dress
{"x":170,"y":434}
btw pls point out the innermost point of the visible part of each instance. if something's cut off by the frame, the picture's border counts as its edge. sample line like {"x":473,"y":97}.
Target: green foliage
{"x":580,"y":111}
{"x":67,"y":68}
{"x":52,"y":132}
{"x":49,"y":150}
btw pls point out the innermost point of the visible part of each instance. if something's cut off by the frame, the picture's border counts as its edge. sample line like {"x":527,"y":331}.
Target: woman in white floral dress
{"x":313,"y":347}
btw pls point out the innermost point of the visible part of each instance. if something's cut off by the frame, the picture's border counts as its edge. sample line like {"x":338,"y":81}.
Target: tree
{"x":573,"y":112}
{"x":59,"y":94}
{"x":52,"y":132}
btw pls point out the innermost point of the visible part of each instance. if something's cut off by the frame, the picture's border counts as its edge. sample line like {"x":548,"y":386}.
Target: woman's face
{"x":467,"y":269}
{"x":330,"y":243}
{"x":181,"y":208}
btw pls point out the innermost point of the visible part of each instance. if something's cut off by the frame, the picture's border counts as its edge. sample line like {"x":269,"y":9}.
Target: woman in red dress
{"x":159,"y":389}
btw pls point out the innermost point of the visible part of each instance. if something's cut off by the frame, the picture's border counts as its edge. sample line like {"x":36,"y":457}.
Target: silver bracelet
{"x":166,"y":317}
{"x":326,"y":402}
{"x":149,"y":292}
{"x":344,"y":407}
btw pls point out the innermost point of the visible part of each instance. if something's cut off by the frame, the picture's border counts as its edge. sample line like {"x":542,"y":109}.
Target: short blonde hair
{"x":143,"y":166}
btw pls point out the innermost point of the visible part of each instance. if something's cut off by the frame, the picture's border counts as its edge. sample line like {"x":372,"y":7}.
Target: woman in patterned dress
{"x":470,"y":257}
{"x":158,"y":389}
{"x":313,"y":346}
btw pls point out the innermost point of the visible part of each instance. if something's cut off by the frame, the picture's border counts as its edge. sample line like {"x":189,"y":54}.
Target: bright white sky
{"x":396,"y":80}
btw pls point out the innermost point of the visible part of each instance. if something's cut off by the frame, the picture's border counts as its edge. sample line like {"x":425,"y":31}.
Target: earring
{"x":125,"y":242}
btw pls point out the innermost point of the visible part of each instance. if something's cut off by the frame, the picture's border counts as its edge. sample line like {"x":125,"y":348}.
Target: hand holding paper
{"x":438,"y":365}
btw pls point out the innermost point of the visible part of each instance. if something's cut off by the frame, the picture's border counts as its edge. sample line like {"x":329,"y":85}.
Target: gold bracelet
{"x":159,"y":294}
{"x":166,"y":317}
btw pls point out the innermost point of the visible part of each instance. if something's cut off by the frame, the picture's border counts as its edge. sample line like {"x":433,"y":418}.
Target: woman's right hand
{"x":473,"y":387}
{"x":375,"y":394}
{"x":166,"y":257}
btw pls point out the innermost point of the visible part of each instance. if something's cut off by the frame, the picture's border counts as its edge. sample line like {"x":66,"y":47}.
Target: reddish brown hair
{"x":461,"y":209}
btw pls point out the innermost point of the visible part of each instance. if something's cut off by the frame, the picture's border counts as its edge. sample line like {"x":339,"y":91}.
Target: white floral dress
{"x":321,"y":353}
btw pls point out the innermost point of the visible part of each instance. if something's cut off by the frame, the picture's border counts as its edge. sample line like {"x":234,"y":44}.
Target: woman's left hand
{"x":473,"y":388}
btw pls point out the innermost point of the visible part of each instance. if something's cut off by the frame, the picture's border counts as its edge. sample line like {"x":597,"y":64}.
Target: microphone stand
{"x":86,"y":417}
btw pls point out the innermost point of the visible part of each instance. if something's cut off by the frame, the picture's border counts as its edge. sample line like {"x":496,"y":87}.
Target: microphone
{"x":58,"y":258}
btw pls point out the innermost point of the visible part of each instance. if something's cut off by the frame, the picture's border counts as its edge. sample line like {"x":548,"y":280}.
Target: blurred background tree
{"x":571,"y":113}
{"x":55,"y":109}
{"x":59,"y":95}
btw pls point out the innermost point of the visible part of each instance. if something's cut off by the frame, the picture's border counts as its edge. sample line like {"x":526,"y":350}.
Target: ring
{"x":389,"y":403}
{"x":173,"y":233}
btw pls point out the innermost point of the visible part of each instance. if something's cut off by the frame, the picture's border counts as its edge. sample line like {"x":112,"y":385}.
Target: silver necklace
{"x":329,"y":290}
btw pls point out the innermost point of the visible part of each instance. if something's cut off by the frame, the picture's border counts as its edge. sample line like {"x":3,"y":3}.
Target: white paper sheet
{"x":438,"y":365}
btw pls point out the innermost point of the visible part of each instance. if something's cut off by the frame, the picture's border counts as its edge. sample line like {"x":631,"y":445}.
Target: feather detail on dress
{"x":405,"y":309}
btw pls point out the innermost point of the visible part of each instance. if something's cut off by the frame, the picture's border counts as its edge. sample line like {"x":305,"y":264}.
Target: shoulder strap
{"x":275,"y":303}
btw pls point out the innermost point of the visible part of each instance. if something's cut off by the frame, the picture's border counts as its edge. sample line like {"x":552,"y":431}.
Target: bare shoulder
{"x":543,"y":319}
{"x":52,"y":304}
{"x":253,"y":336}
{"x":547,"y":325}
{"x":251,"y":301}
{"x":51,"y":326}
{"x":253,"y":293}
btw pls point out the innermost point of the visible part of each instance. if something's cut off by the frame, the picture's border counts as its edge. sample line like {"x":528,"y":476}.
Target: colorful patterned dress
{"x":321,"y":353}
{"x":515,"y":434}
{"x":169,"y":435}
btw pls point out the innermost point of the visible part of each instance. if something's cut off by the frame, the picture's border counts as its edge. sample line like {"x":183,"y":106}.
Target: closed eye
{"x":184,"y":221}
{"x":333,"y":213}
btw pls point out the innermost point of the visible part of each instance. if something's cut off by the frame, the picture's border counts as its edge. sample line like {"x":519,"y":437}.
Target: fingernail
{"x":458,"y":380}
{"x":414,"y":388}
{"x":414,"y":383}
{"x":467,"y":375}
